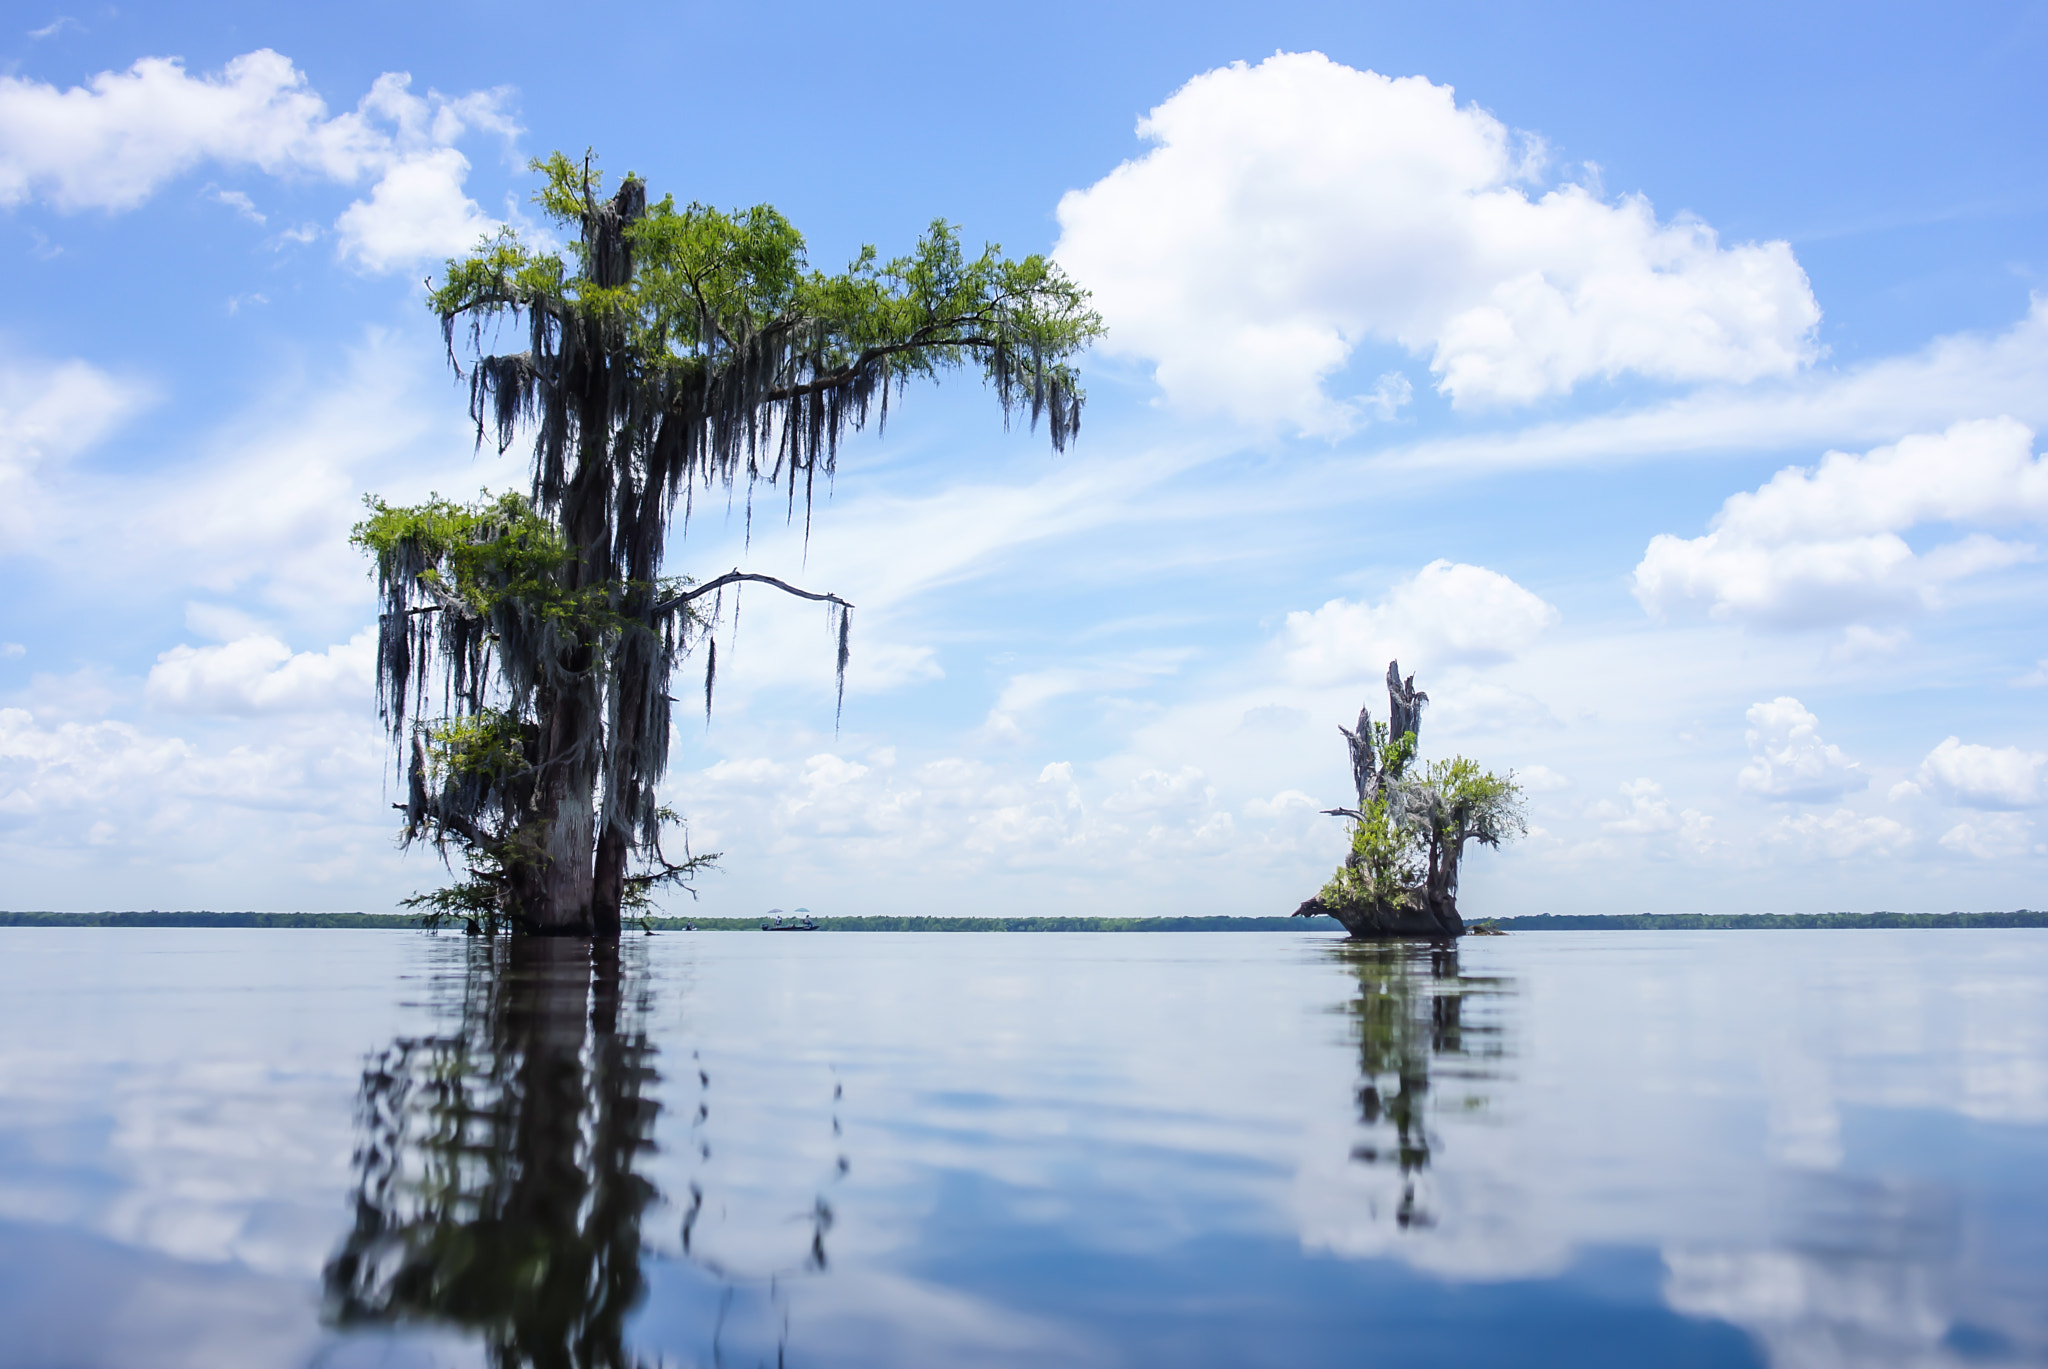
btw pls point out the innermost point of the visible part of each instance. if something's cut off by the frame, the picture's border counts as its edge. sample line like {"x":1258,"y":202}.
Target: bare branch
{"x":734,"y":577}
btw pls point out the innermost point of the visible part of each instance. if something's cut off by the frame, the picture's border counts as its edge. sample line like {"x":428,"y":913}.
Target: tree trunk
{"x":639,"y":713}
{"x":1442,"y":890}
{"x":570,"y":831}
{"x":574,"y":751}
{"x":565,"y":817}
{"x":608,"y":884}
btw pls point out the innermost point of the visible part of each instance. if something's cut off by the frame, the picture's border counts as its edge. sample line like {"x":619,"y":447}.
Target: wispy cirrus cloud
{"x":50,"y":412}
{"x":1955,"y":378}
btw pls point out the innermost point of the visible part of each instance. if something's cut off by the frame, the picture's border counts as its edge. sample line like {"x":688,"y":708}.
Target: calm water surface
{"x":227,"y":1148}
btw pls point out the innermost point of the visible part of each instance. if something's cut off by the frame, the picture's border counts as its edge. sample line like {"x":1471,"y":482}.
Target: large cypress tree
{"x":669,"y":350}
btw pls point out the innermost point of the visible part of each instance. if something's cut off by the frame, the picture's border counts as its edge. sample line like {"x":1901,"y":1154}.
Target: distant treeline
{"x":154,"y":918}
{"x":724,"y":924}
{"x":1543,"y":922}
{"x":1022,"y":924}
{"x":1751,"y":922}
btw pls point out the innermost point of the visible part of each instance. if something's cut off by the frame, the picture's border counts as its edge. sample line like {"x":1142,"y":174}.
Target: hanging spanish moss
{"x":527,"y":642}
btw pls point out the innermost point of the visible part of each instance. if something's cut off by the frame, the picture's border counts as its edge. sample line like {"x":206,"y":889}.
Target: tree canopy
{"x":666,"y":350}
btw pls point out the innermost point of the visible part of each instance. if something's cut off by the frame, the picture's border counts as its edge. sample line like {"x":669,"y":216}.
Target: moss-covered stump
{"x":1411,"y":826}
{"x":1407,"y":918}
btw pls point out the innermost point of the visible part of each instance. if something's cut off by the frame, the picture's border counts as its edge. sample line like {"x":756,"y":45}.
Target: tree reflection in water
{"x":1416,"y":1016}
{"x":497,"y":1188}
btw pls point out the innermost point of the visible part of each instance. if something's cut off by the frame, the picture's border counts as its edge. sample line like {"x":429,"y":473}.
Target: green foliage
{"x":1407,"y":841}
{"x":706,"y":283}
{"x":1388,"y":845}
{"x":483,"y":531}
{"x":1396,"y":755}
{"x":1467,"y":803}
{"x":1385,"y":860}
{"x":489,"y":747}
{"x":485,"y":556}
{"x":473,"y":902}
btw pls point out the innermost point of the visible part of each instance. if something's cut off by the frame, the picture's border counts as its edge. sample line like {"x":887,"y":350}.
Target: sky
{"x":1662,"y":389}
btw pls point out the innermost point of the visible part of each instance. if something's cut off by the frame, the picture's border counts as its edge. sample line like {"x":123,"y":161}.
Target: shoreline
{"x":1540,"y":922}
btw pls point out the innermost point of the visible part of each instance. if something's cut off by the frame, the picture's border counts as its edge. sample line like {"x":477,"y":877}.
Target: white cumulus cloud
{"x":1841,"y":834}
{"x":1986,"y":776}
{"x":262,"y":675}
{"x":1648,"y":810}
{"x":1649,"y":814}
{"x":1788,"y":759}
{"x":1290,"y":211}
{"x":1994,"y":836}
{"x":1157,"y":790}
{"x":110,"y":769}
{"x":113,"y":142}
{"x":1824,"y":546}
{"x":1447,"y":613}
{"x":416,"y":211}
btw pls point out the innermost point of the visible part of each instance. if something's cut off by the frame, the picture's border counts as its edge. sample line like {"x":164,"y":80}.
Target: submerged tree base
{"x":1404,"y":919}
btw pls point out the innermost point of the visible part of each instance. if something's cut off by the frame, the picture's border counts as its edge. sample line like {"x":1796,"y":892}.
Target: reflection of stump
{"x":1411,"y":1021}
{"x":1410,"y":916}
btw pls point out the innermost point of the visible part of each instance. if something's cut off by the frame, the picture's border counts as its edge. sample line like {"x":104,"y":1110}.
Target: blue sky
{"x":1661,"y":388}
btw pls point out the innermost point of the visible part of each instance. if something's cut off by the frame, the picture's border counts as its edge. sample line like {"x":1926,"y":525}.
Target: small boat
{"x":776,"y":923}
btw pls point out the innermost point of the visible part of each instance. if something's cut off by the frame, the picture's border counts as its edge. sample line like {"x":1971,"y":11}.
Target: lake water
{"x":341,"y":1148}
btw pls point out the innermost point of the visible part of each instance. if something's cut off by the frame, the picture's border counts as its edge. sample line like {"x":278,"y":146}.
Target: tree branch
{"x":495,"y":301}
{"x":734,"y":577}
{"x":443,"y":597}
{"x":868,"y":358}
{"x":453,"y":822}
